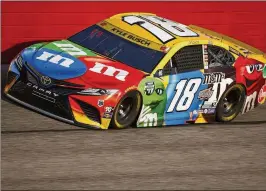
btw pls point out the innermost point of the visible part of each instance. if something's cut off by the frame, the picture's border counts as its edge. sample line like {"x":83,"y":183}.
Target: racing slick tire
{"x":230,"y":103}
{"x":127,"y":110}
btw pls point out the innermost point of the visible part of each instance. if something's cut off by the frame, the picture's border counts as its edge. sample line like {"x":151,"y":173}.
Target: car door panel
{"x":183,"y":102}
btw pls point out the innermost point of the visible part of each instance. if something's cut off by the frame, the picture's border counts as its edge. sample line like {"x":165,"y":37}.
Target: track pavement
{"x":42,"y":153}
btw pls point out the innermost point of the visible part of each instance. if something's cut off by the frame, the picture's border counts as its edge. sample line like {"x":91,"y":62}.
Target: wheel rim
{"x":227,"y":106}
{"x":231,"y":100}
{"x":125,"y":108}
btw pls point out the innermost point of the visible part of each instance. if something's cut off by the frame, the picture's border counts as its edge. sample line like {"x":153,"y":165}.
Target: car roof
{"x":203,"y":34}
{"x":117,"y":21}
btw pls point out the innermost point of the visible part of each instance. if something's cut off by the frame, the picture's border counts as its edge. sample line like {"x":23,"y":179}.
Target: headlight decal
{"x":98,"y":91}
{"x":19,"y":62}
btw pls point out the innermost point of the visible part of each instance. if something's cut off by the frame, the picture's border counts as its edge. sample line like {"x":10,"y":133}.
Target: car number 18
{"x":164,"y":33}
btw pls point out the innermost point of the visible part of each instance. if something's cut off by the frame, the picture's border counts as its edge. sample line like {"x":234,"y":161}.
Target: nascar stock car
{"x":142,"y":70}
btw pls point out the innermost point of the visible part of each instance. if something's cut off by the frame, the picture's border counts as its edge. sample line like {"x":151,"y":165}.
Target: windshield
{"x":112,"y":46}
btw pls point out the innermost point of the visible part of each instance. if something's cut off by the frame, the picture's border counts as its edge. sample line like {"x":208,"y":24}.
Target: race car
{"x":139,"y":70}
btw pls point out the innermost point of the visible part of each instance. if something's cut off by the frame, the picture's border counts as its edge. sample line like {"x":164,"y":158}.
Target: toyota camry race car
{"x":139,"y":69}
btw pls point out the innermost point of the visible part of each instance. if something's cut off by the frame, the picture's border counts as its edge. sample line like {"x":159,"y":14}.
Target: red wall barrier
{"x":24,"y":23}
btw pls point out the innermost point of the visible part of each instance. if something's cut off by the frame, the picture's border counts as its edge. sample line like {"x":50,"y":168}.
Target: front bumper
{"x":39,"y":110}
{"x":24,"y":89}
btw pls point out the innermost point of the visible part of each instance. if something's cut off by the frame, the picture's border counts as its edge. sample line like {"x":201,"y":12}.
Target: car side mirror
{"x":159,"y":73}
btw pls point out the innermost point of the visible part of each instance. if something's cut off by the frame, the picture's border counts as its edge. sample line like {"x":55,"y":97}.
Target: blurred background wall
{"x":25,"y":23}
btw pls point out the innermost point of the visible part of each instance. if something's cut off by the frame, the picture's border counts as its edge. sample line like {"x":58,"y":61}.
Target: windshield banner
{"x":131,"y":37}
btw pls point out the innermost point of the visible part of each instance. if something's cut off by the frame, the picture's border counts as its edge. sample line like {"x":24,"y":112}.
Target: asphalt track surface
{"x":41,"y":153}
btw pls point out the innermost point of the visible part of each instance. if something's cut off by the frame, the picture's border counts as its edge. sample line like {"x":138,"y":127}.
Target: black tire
{"x":127,"y":110}
{"x":230,"y":103}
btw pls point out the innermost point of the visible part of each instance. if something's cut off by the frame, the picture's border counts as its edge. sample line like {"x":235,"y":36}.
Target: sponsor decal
{"x":262,"y":94}
{"x":131,"y":37}
{"x":215,"y":77}
{"x":208,"y":105}
{"x":149,"y":88}
{"x":147,"y":117}
{"x":40,"y":89}
{"x":96,"y":33}
{"x":55,"y":59}
{"x":107,"y":115}
{"x":210,"y":111}
{"x":205,"y":56}
{"x":70,"y":48}
{"x":207,"y":111}
{"x":211,"y":37}
{"x":217,"y":89}
{"x":108,"y":112}
{"x":234,"y":51}
{"x":249,"y":73}
{"x":108,"y":109}
{"x":193,"y":42}
{"x":103,"y":24}
{"x":100,"y":103}
{"x":164,"y":48}
{"x":109,"y":71}
{"x":205,"y":94}
{"x":42,"y":93}
{"x":245,"y":51}
{"x":154,"y":102}
{"x":55,"y":64}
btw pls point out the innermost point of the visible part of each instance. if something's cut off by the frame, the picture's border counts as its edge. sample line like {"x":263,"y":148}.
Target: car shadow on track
{"x":187,"y":127}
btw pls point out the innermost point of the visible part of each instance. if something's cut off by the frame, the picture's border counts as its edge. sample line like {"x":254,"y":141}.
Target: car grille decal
{"x":31,"y":78}
{"x":90,"y":111}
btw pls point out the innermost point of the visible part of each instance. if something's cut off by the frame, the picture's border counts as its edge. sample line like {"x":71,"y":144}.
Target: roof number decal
{"x":164,"y":34}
